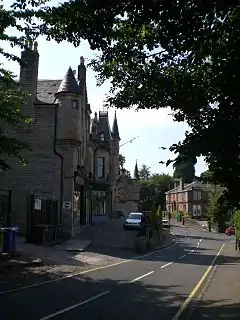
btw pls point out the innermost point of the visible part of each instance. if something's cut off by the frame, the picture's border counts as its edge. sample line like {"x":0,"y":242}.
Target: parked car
{"x":133,"y":220}
{"x":230,"y":231}
{"x":165,"y":223}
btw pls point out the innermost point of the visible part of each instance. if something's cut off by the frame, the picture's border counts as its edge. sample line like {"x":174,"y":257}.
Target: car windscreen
{"x":134,"y":216}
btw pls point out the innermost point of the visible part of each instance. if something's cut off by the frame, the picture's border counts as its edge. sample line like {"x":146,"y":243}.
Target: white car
{"x":133,"y":220}
{"x":165,"y":223}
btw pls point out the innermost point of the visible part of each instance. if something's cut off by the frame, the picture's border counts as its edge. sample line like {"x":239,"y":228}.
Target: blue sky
{"x":155,"y":128}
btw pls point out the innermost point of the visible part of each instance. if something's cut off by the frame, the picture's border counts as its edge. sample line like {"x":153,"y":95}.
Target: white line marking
{"x":141,"y":277}
{"x":166,"y":265}
{"x":84,"y":272}
{"x":58,"y":313}
{"x":182,"y":257}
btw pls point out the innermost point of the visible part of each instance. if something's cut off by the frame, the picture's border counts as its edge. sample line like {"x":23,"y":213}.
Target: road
{"x":155,"y":286}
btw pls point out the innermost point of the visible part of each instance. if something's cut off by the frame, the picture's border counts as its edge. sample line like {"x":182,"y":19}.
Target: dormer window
{"x":75,"y":104}
{"x":102,"y":137}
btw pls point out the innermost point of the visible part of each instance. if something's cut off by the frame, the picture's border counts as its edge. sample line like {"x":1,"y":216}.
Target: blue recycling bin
{"x":9,"y":240}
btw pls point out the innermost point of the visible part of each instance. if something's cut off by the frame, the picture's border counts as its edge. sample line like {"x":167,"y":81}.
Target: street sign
{"x":67,"y":205}
{"x":37,"y":204}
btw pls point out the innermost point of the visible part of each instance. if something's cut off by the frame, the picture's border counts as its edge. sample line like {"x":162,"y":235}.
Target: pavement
{"x":167,"y":284}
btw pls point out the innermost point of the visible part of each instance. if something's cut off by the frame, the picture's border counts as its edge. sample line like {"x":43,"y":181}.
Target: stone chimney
{"x":181,"y":184}
{"x":29,"y":70}
{"x":82,"y":76}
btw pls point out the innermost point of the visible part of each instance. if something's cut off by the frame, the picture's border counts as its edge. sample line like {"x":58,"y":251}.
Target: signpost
{"x":67,"y":205}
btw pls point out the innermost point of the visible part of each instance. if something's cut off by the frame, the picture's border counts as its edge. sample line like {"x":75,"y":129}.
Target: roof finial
{"x":81,"y":60}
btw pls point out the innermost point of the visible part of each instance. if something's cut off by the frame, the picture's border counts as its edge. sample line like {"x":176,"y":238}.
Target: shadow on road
{"x":124,"y":300}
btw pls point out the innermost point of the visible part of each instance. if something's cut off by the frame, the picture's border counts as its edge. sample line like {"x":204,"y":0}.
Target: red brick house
{"x":191,"y":198}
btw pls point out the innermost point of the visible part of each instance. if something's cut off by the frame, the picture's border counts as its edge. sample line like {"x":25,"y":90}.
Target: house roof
{"x":46,"y":90}
{"x":69,"y":83}
{"x":103,"y":125}
{"x":115,"y":131}
{"x":186,"y":187}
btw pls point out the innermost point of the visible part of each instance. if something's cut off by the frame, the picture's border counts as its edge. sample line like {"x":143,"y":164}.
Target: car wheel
{"x":228,"y":233}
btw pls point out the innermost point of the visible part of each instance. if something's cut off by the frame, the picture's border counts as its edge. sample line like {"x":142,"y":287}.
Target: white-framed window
{"x":100,"y":167}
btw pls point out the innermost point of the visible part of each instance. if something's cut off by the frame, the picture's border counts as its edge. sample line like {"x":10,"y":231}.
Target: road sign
{"x":67,"y":205}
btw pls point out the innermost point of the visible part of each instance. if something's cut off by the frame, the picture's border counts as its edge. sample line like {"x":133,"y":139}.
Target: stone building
{"x":127,"y":194}
{"x":191,"y":198}
{"x":73,"y":159}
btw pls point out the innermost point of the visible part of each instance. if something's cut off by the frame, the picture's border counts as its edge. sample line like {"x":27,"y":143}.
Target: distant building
{"x":191,"y":198}
{"x":127,"y":194}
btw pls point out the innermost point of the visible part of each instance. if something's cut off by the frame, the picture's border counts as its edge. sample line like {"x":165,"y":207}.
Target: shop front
{"x":101,"y":202}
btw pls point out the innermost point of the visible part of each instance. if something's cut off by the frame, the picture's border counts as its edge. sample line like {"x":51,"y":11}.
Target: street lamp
{"x":129,"y":141}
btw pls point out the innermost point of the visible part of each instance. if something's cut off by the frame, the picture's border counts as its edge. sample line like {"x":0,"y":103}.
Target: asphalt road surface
{"x":156,"y":286}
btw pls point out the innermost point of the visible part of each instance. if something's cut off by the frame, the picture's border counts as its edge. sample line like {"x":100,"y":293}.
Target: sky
{"x":154,"y":128}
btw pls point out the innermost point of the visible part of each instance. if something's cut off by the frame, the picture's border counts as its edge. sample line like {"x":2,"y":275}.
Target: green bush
{"x":237,"y":222}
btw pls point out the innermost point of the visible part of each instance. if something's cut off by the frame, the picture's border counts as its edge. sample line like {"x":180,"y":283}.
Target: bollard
{"x":182,"y":220}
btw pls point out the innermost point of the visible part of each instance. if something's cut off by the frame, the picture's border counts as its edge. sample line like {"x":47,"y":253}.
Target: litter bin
{"x":9,"y":240}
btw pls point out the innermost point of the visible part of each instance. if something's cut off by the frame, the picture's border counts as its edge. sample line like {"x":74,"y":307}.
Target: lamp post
{"x":129,"y":141}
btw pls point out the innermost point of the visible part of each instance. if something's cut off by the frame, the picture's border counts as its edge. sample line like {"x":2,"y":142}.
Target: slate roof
{"x":69,"y":83}
{"x":46,"y":90}
{"x":186,"y":187}
{"x":115,"y":131}
{"x":103,"y":125}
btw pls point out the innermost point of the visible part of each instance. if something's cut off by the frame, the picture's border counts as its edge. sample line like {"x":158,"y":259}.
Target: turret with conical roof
{"x":115,"y":131}
{"x":68,"y":84}
{"x":69,"y":99}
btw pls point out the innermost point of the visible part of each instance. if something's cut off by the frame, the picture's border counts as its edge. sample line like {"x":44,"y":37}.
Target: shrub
{"x":237,"y":223}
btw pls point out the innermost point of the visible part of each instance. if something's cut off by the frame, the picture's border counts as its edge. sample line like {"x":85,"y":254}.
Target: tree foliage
{"x":19,"y":17}
{"x":136,"y":172}
{"x":123,"y":170}
{"x":181,"y":53}
{"x":144,"y":172}
{"x":185,"y":170}
{"x":152,"y":190}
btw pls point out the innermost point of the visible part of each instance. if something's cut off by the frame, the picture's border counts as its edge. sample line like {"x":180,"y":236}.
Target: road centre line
{"x":141,"y":277}
{"x":183,"y":256}
{"x":77,"y":305}
{"x":53,"y":315}
{"x":69,"y":276}
{"x":197,"y":287}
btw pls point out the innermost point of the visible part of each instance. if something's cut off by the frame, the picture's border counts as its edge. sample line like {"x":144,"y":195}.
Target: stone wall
{"x":127,"y":195}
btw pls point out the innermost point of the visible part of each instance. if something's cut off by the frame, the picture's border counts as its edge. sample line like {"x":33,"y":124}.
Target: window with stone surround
{"x":100,"y":167}
{"x":75,"y":104}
